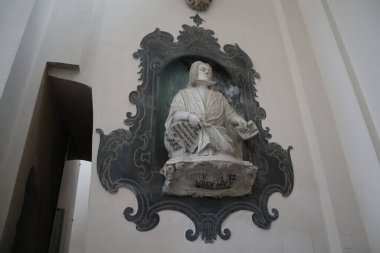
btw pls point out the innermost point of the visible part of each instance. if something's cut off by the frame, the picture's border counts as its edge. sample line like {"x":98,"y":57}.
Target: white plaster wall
{"x":78,"y":232}
{"x":11,"y":38}
{"x":356,"y":27}
{"x":73,"y":197}
{"x":67,"y":200}
{"x":343,"y":91}
{"x":358,"y":40}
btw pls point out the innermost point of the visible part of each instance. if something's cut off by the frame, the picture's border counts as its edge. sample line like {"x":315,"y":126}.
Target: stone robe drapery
{"x":216,"y":135}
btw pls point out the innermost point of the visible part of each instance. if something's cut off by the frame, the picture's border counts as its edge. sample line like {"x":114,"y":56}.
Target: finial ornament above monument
{"x":197,"y":19}
{"x":199,"y":5}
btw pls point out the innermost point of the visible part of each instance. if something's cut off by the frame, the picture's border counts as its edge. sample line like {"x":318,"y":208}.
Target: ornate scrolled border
{"x":125,"y":156}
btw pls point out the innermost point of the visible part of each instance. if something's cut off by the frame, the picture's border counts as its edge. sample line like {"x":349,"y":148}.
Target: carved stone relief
{"x":203,"y":138}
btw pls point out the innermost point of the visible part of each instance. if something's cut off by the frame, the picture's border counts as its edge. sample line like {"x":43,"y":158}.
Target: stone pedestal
{"x":208,"y":176}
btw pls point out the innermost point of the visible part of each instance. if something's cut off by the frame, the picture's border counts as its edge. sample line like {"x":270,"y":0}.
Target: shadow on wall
{"x":60,"y":130}
{"x":73,"y":199}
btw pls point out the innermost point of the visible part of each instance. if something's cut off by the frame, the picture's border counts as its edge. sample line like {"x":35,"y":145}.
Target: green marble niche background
{"x":173,"y":79}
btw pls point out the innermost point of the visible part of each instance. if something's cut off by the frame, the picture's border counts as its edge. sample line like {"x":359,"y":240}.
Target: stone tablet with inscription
{"x":182,"y":136}
{"x":208,"y":177}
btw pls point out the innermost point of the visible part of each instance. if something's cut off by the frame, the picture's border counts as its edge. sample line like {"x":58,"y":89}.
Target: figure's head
{"x":200,"y":73}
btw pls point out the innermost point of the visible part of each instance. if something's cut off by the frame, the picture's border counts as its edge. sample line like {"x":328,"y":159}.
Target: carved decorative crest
{"x":130,"y":158}
{"x":197,"y":20}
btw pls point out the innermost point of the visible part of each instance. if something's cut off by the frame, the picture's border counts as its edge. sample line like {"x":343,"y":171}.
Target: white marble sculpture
{"x":204,"y":140}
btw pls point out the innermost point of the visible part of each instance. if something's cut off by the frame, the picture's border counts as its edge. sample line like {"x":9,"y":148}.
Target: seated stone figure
{"x":207,"y":111}
{"x":203,"y":138}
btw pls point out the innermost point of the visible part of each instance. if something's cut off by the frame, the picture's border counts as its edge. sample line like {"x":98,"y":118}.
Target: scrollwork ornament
{"x":126,"y":158}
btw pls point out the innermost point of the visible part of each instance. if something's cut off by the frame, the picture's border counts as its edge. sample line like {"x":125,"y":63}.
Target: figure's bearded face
{"x":204,"y":72}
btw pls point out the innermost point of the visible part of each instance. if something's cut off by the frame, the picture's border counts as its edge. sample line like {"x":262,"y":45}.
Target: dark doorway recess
{"x":60,"y":130}
{"x":74,"y":103}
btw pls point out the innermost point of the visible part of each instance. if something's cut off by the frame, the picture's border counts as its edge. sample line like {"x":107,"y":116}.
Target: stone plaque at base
{"x":208,"y":177}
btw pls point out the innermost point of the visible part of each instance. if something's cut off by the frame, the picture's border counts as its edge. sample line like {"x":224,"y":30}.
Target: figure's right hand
{"x":193,"y":120}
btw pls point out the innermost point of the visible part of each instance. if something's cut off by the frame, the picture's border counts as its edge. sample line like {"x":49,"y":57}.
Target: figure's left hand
{"x":241,"y":123}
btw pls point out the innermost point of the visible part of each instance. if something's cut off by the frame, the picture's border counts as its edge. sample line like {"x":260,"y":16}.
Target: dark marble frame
{"x":126,"y":157}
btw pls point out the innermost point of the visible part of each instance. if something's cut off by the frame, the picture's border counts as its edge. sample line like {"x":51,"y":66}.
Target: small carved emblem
{"x":197,"y":20}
